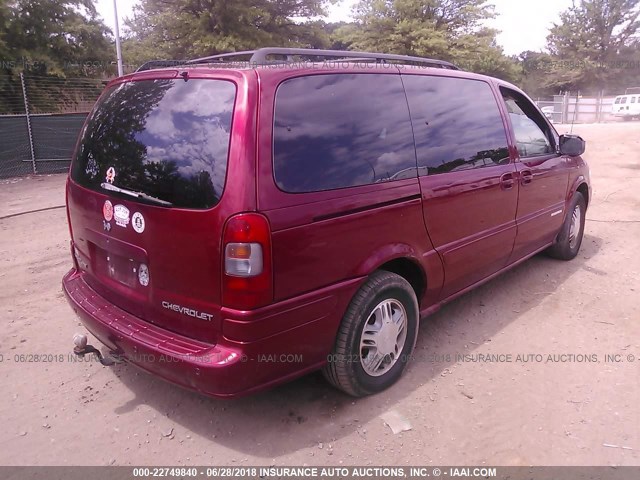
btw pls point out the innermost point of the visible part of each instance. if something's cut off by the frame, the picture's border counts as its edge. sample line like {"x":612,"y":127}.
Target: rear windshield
{"x":167,"y":139}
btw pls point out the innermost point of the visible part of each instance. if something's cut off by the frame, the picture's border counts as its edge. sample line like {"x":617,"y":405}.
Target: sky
{"x":523,"y":24}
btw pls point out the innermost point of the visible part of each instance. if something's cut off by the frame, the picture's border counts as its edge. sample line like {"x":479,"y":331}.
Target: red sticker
{"x":107,"y":211}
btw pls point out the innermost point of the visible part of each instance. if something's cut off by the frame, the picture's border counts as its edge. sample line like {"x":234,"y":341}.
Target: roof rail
{"x":260,"y":57}
{"x":159,"y":64}
{"x":220,"y":57}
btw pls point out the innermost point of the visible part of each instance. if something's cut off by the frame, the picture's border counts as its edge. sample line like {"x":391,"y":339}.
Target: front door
{"x":468,"y":181}
{"x":543,"y":175}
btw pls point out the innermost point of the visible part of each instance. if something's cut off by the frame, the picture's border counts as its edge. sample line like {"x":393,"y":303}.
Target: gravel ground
{"x":570,"y":406}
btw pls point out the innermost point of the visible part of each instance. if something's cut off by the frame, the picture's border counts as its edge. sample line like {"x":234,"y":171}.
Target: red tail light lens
{"x":247,"y":278}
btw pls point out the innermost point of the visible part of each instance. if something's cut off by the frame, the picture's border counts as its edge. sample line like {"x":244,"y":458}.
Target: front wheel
{"x":376,"y":337}
{"x":569,"y":239}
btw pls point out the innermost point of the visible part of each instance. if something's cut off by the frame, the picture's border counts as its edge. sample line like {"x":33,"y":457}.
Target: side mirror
{"x":571,"y":145}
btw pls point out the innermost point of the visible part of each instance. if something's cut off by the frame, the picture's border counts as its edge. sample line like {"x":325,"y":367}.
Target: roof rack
{"x":159,"y":64}
{"x":221,"y":57}
{"x":260,"y":57}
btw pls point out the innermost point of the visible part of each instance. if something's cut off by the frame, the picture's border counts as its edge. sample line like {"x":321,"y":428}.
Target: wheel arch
{"x":411,"y":271}
{"x":583,"y":188}
{"x":580,"y":185}
{"x":402,"y":260}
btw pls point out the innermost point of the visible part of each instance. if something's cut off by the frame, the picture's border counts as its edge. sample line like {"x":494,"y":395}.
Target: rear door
{"x":467,"y":179}
{"x":543,"y":175}
{"x":145,"y":194}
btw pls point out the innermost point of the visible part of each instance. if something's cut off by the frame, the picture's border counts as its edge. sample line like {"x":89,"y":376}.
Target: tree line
{"x":593,"y":46}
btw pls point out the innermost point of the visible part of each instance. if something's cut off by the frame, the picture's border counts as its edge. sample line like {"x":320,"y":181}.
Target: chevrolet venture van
{"x":235,"y":225}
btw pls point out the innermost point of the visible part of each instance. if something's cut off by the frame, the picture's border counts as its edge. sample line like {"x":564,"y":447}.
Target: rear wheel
{"x":569,"y":239}
{"x":376,"y":337}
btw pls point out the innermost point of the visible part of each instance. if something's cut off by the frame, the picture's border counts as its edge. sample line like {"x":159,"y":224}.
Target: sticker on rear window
{"x":121,"y":215}
{"x":138,"y":222}
{"x":107,"y":211}
{"x":111,"y":174}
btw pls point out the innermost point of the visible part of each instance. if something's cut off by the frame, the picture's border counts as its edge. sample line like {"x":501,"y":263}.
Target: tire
{"x":351,"y":366}
{"x":568,"y":241}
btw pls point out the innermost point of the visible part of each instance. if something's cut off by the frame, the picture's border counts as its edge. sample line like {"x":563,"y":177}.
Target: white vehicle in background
{"x":548,"y":112}
{"x":626,"y":106}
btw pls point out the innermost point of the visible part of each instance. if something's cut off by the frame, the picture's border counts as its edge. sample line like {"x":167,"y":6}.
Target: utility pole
{"x":118,"y":49}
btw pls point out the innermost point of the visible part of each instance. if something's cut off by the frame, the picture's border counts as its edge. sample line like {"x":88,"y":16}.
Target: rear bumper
{"x":231,"y":367}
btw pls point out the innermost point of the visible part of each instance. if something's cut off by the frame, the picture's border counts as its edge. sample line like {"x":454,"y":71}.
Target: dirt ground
{"x":573,"y":408}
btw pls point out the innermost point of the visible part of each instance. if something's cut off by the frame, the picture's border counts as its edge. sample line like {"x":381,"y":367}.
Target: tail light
{"x":247,"y":281}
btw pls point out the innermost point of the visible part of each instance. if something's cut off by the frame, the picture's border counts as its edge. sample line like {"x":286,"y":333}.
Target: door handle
{"x":506,"y":181}
{"x":526,"y":177}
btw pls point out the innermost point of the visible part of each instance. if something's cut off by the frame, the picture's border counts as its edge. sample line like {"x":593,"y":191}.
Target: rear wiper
{"x":143,"y":196}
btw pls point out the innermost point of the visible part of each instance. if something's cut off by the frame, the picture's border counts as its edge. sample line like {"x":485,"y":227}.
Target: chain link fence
{"x":40,"y":118}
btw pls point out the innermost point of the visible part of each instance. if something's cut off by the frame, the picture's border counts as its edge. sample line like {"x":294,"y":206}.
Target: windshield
{"x":165,"y":139}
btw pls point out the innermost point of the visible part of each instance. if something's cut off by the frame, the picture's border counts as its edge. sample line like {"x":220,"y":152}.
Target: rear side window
{"x":341,"y":130}
{"x":457,"y":124}
{"x":168,"y":139}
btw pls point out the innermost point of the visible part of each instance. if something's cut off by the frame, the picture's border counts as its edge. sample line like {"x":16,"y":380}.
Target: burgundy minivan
{"x":235,"y":225}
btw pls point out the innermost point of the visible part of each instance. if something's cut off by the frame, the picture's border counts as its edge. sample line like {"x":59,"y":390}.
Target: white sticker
{"x":143,"y":275}
{"x":111,"y":175}
{"x":138,"y":222}
{"x":121,"y":215}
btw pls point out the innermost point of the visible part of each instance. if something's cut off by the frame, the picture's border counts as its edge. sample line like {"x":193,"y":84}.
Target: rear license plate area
{"x":118,"y":268}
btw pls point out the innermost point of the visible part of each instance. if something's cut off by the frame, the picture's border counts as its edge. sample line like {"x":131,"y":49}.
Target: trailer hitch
{"x":82,"y":348}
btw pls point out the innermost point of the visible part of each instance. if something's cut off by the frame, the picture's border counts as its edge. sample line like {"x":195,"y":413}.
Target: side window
{"x":533,"y":136}
{"x":633,"y":99}
{"x":341,"y":130}
{"x":617,"y":101}
{"x":624,"y":100}
{"x":456,"y":122}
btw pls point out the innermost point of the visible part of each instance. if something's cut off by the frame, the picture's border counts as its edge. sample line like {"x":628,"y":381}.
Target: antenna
{"x":575,"y":111}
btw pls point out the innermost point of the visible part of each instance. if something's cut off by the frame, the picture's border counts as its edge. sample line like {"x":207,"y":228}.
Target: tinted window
{"x":531,"y":131}
{"x":335,"y":131}
{"x":457,"y":124}
{"x":166,"y":138}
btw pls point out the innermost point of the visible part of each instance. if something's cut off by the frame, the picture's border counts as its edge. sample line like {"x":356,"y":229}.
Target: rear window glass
{"x":165,"y":138}
{"x":341,"y":130}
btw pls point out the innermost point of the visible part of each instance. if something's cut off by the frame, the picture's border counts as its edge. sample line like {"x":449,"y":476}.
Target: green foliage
{"x":535,"y":73}
{"x":444,"y":29}
{"x":595,"y":46}
{"x":192,"y":28}
{"x":52,"y":42}
{"x":60,"y":37}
